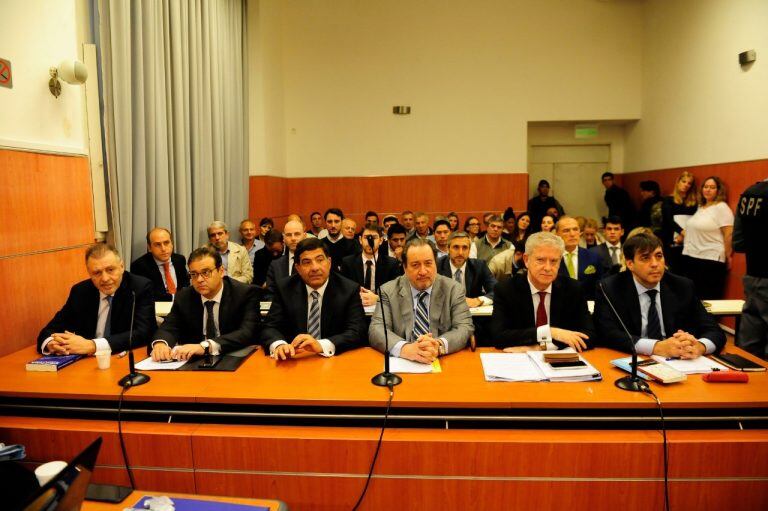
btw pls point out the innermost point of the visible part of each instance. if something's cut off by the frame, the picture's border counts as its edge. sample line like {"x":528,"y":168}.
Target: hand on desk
{"x":161,"y":351}
{"x":424,"y":350}
{"x":573,"y":339}
{"x":681,"y":345}
{"x":368,"y":297}
{"x":522,"y":349}
{"x":303,"y":345}
{"x":69,"y":343}
{"x":474,"y":302}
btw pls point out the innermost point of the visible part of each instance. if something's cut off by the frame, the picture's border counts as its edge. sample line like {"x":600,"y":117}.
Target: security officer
{"x":749,"y":236}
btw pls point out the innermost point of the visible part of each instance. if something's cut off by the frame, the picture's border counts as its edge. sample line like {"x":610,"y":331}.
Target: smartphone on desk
{"x":209,"y":362}
{"x":737,"y":362}
{"x":568,"y":365}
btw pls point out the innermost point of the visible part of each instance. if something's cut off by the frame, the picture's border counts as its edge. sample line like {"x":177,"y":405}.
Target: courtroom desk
{"x":137,"y":495}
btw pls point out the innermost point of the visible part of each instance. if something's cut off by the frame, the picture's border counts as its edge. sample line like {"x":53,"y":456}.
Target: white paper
{"x":682,"y":220}
{"x":588,"y":373}
{"x":483,"y":310}
{"x":509,"y":367}
{"x":162,"y":309}
{"x":402,"y":365}
{"x":692,"y":366}
{"x":149,"y":365}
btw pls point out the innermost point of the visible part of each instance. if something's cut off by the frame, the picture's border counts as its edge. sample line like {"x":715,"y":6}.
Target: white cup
{"x":103,"y":358}
{"x":48,"y":471}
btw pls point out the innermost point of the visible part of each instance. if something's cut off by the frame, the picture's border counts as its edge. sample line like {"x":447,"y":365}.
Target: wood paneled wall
{"x":467,"y":194}
{"x":46,"y":221}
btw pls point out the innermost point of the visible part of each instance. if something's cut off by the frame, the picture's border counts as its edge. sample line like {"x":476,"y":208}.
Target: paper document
{"x":692,"y":366}
{"x":588,"y":373}
{"x":149,"y":365}
{"x":509,"y":367}
{"x":401,"y":365}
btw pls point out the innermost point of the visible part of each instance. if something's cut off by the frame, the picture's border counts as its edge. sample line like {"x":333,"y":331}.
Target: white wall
{"x":699,"y":105}
{"x":37,"y":35}
{"x":474,"y":74}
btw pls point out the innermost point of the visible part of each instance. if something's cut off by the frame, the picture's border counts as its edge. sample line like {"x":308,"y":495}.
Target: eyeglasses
{"x":206,"y":274}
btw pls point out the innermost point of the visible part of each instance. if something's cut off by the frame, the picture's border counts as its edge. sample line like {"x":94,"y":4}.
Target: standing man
{"x":618,"y":201}
{"x":610,"y":252}
{"x":661,"y":310}
{"x":538,"y":205}
{"x":166,"y":269}
{"x":249,"y":239}
{"x":233,"y":256}
{"x":315,"y":311}
{"x":580,"y":263}
{"x":215,"y":316}
{"x":426,"y":314}
{"x":541,"y":309}
{"x":284,"y":266}
{"x":749,"y":236}
{"x":338,"y":245}
{"x":370,"y":274}
{"x":97,"y":314}
{"x":492,"y":243}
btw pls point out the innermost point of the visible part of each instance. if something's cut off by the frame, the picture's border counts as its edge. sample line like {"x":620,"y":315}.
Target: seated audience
{"x":339,"y":245}
{"x":472,"y":227}
{"x":315,"y":224}
{"x":662,"y":312}
{"x":393,"y":248}
{"x":284,"y":266}
{"x":453,"y":219}
{"x":578,"y":263}
{"x":166,"y":269}
{"x":426,"y":314}
{"x":408,"y":220}
{"x":315,"y":311}
{"x":421,"y":226}
{"x":233,"y":256}
{"x":507,"y":263}
{"x":492,"y":243}
{"x":349,"y":228}
{"x":589,"y":235}
{"x":542,"y":309}
{"x":441,"y":230}
{"x":273,"y":249}
{"x":547,"y":224}
{"x":97,"y":313}
{"x":370,"y":275}
{"x":249,"y":240}
{"x":371,"y":216}
{"x":522,"y":229}
{"x":388,"y":221}
{"x":610,"y":252}
{"x":215,"y":316}
{"x":265,"y":225}
{"x":510,"y":222}
{"x":473,"y":274}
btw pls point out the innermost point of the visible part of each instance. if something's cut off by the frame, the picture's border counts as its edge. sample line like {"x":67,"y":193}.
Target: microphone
{"x":369,"y":239}
{"x":386,"y":378}
{"x":633,"y":383}
{"x":132,"y":379}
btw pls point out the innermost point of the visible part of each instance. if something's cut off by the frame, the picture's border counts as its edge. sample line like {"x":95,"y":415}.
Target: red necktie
{"x":541,"y":310}
{"x":170,"y":285}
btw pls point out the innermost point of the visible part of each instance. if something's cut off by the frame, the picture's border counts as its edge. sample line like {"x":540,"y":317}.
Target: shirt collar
{"x":415,"y":292}
{"x":161,"y":263}
{"x":454,"y":268}
{"x":610,"y":245}
{"x":320,"y":290}
{"x":534,"y":290}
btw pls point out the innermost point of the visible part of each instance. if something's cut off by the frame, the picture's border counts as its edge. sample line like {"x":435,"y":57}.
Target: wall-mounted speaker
{"x":747,"y":57}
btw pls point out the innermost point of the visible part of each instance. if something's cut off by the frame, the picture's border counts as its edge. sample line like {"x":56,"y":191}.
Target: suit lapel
{"x":634,"y":305}
{"x":224,"y":307}
{"x":406,"y":307}
{"x":667,"y":300}
{"x":555,"y":304}
{"x":524,"y":290}
{"x":436,"y":299}
{"x":326,"y":310}
{"x":300,"y":292}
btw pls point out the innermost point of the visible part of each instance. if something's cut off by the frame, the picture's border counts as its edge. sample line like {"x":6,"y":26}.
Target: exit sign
{"x":585,"y":131}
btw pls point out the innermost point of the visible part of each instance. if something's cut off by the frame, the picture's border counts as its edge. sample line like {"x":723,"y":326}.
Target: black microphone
{"x":369,"y":239}
{"x":386,"y":378}
{"x":632,"y":382}
{"x":132,"y":379}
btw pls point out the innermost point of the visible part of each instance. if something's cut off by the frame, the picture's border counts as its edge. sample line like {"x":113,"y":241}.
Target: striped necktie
{"x":421,"y":316}
{"x":653,"y":329}
{"x":313,"y":321}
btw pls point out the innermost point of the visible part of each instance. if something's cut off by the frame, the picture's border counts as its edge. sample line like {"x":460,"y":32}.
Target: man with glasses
{"x":492,"y":243}
{"x":362,"y":268}
{"x":234,"y":257}
{"x":216,"y":315}
{"x":315,"y":311}
{"x":97,"y":314}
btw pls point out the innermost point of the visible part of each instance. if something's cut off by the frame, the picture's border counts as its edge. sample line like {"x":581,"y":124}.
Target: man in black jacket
{"x":362,"y":268}
{"x":97,"y":314}
{"x":661,"y":311}
{"x":315,"y":311}
{"x":216,"y":315}
{"x":166,"y":269}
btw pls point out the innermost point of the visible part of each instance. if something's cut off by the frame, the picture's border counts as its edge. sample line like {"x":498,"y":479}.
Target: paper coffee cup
{"x":103,"y":358}
{"x":48,"y":471}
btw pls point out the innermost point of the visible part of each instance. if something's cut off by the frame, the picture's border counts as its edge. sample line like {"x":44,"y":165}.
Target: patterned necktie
{"x":170,"y":285}
{"x":313,"y":321}
{"x":421,"y":316}
{"x":210,"y":324}
{"x":541,"y":310}
{"x":368,"y":278}
{"x":458,"y":277}
{"x":108,"y":322}
{"x":569,"y":265}
{"x":653,"y":330}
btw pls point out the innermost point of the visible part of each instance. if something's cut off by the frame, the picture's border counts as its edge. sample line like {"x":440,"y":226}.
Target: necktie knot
{"x":652,"y":295}
{"x":209,"y":305}
{"x":315,"y":295}
{"x":369,"y":263}
{"x":457,"y":276}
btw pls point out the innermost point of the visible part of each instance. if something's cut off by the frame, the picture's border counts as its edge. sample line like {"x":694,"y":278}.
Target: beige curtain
{"x":174,"y":89}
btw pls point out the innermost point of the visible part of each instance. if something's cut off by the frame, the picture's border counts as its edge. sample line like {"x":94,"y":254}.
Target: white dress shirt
{"x":329,"y":349}
{"x":544,"y":332}
{"x":101,"y":343}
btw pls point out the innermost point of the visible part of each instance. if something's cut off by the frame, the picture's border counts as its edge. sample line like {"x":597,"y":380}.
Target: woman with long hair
{"x":707,"y":240}
{"x":472,"y":227}
{"x":683,"y":201}
{"x":522,"y":229}
{"x":547,"y":223}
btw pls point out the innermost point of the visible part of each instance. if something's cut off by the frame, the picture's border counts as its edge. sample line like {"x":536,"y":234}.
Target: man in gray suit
{"x":426,"y":313}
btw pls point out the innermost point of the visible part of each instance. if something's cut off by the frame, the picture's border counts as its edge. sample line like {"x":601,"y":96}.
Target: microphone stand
{"x":632,"y":383}
{"x":386,"y":378}
{"x":132,"y":379}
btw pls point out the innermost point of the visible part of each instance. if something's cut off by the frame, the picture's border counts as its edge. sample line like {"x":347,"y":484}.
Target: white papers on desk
{"x":692,"y":366}
{"x":150,"y":365}
{"x":402,"y":365}
{"x":530,"y":366}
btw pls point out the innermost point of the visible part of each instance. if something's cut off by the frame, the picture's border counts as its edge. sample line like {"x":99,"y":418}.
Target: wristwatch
{"x":206,"y":344}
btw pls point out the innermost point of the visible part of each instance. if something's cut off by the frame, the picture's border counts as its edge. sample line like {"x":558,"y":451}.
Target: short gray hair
{"x":100,"y":250}
{"x":458,"y":234}
{"x":217,"y":224}
{"x":544,"y":239}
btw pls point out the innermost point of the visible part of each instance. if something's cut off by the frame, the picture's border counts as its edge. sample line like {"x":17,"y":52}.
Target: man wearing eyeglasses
{"x":216,"y":315}
{"x":234,"y":257}
{"x":362,"y":268}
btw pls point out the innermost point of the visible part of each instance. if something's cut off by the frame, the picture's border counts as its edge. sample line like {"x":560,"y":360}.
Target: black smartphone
{"x":209,"y":362}
{"x":568,"y":365}
{"x":738,"y":362}
{"x":107,"y":493}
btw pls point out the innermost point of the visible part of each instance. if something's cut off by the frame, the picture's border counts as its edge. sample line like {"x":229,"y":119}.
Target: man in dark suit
{"x":338,"y":246}
{"x":216,"y":315}
{"x":578,"y":263}
{"x":610,"y":252}
{"x":618,"y":201}
{"x":283,"y":267}
{"x":315,"y":311}
{"x":396,"y":235}
{"x":97,"y":314}
{"x":362,"y":268}
{"x":166,"y":269}
{"x":472,"y":274}
{"x":660,"y":310}
{"x":274,"y":249}
{"x":541,"y":310}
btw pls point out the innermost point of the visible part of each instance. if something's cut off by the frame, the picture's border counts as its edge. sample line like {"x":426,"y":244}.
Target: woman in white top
{"x":707,"y":241}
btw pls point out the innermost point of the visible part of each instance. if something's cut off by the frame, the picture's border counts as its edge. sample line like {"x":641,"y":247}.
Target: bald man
{"x":283,"y":267}
{"x":166,"y":269}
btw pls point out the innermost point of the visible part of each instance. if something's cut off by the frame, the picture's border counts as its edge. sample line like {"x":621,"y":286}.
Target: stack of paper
{"x":530,"y":366}
{"x":692,"y":366}
{"x":401,"y":365}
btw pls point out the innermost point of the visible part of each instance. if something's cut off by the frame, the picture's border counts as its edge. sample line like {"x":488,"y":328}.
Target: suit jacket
{"x":513,"y":322}
{"x":261,"y":262}
{"x":449,"y":315}
{"x":589,"y":272}
{"x":238,"y":263}
{"x":477,"y":277}
{"x":147,"y":268}
{"x":342,"y":248}
{"x":81,"y":312}
{"x":604,"y":254}
{"x":386,"y":269}
{"x":239,"y":317}
{"x":681,"y":309}
{"x":278,"y":270}
{"x":342,"y":320}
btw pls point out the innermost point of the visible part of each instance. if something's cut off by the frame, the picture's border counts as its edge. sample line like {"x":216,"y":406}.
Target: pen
{"x":122,"y":354}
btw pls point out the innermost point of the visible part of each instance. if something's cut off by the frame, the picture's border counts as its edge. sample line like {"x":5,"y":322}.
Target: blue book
{"x":52,"y":363}
{"x":204,"y":505}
